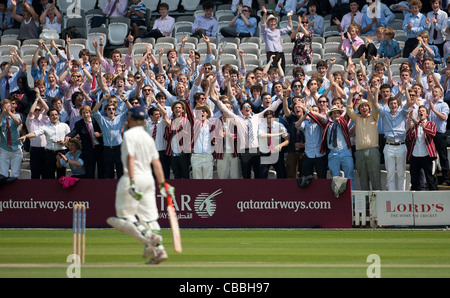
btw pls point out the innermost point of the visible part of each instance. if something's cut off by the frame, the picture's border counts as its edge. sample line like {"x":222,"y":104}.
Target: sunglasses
{"x":322,"y":101}
{"x":134,"y":103}
{"x":37,"y":110}
{"x":297,"y":86}
{"x":147,"y":90}
{"x":111,"y":109}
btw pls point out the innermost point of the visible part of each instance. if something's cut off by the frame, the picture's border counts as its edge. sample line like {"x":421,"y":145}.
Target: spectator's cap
{"x":206,"y":108}
{"x":362,"y":101}
{"x":271,"y":17}
{"x":137,"y":112}
{"x":335,"y":108}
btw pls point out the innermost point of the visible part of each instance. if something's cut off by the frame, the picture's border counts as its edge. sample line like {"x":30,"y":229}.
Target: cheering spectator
{"x":422,"y":150}
{"x":302,"y":54}
{"x":367,"y":155}
{"x":315,"y":21}
{"x":413,"y":23}
{"x":37,"y":118}
{"x":55,"y":133}
{"x":242,"y":25}
{"x":10,"y":145}
{"x":90,"y":135}
{"x":439,"y":111}
{"x":435,"y":23}
{"x":353,"y":46}
{"x":394,"y":116}
{"x":29,"y":21}
{"x":111,"y":127}
{"x":51,"y":20}
{"x":336,"y":141}
{"x":272,"y":36}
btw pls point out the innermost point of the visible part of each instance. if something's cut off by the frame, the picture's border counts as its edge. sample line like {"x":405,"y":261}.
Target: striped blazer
{"x":325,"y":125}
{"x":429,"y":133}
{"x":182,"y":129}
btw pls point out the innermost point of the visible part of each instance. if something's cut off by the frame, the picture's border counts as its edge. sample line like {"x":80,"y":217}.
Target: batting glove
{"x":134,"y":192}
{"x":166,"y":189}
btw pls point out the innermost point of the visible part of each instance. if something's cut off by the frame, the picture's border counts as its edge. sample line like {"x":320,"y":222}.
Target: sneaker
{"x":446,"y":183}
{"x":158,"y":255}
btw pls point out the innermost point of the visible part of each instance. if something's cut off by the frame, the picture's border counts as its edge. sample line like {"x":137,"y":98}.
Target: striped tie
{"x":250,"y":131}
{"x":154,"y":131}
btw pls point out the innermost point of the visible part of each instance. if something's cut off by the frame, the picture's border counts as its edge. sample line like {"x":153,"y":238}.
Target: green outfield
{"x":241,"y":253}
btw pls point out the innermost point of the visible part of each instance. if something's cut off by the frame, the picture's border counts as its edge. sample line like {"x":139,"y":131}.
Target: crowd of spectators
{"x":239,"y":122}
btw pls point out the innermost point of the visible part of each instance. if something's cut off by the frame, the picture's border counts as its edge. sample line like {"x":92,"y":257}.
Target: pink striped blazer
{"x":429,"y":132}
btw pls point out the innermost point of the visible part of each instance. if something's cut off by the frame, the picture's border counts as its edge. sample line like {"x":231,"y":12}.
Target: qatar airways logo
{"x":205,"y":204}
{"x":413,"y":208}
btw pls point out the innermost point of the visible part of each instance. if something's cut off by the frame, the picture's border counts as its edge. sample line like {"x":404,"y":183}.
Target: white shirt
{"x":275,"y":128}
{"x":165,"y":25}
{"x":420,"y":148}
{"x":160,"y":142}
{"x":34,"y":124}
{"x":53,"y":134}
{"x":202,"y":144}
{"x":441,"y":20}
{"x":52,"y":25}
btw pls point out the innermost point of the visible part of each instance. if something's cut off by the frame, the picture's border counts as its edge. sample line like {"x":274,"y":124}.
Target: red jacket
{"x":429,"y":132}
{"x":344,"y":127}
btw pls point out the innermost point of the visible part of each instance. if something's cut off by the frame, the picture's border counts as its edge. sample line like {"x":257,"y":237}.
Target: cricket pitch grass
{"x":239,"y":253}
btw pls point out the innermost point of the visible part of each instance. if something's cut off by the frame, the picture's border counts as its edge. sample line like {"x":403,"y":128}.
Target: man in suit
{"x":90,"y":135}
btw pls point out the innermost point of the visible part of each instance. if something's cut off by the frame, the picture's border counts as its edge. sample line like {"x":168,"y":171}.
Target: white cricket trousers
{"x":228,"y":167}
{"x":202,"y":166}
{"x":128,"y":207}
{"x":395,"y":161}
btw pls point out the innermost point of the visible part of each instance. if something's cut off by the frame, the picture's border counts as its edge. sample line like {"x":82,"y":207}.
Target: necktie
{"x":8,"y":133}
{"x":435,"y":31}
{"x":333,"y":134}
{"x":112,"y":9}
{"x":269,"y":139}
{"x":88,"y":124}
{"x":154,"y":130}
{"x":7,"y":87}
{"x":250,"y":131}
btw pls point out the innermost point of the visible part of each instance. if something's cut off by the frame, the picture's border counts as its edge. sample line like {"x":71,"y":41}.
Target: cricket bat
{"x":173,"y":222}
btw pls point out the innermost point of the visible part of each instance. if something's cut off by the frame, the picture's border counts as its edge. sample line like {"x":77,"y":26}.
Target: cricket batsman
{"x":135,"y":204}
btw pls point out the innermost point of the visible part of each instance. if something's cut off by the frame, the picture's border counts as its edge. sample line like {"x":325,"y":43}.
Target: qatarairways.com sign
{"x":236,"y":203}
{"x":258,"y":203}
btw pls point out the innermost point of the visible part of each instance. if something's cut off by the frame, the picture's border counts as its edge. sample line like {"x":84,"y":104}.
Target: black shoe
{"x":446,"y":183}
